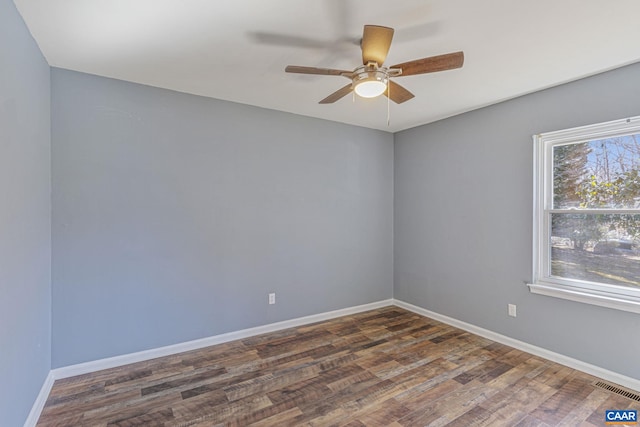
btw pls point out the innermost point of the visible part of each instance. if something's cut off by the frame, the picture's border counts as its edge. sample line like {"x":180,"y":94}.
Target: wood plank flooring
{"x":386,"y":367}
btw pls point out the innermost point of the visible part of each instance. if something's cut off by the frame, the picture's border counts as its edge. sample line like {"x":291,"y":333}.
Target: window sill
{"x":609,"y":300}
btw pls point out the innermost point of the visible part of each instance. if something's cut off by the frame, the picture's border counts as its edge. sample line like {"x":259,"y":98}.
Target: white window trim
{"x":611,"y":296}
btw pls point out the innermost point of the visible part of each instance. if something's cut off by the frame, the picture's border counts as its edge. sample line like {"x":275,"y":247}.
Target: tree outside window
{"x":587,"y":214}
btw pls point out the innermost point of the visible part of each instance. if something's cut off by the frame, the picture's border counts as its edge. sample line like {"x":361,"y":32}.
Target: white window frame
{"x":605,"y":295}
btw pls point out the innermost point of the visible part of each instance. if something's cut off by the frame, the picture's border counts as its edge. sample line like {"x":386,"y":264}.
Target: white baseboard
{"x":579,"y":365}
{"x":38,"y":405}
{"x":125,"y":359}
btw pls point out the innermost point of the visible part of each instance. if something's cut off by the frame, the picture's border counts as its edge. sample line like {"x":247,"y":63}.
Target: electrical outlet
{"x":512,"y":310}
{"x":272,"y":298}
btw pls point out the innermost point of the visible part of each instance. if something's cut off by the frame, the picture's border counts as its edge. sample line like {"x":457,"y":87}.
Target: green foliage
{"x":630,"y":190}
{"x":579,"y":228}
{"x":623,"y":191}
{"x":569,"y":166}
{"x":595,"y":175}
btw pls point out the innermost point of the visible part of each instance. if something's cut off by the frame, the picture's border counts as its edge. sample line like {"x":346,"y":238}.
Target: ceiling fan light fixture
{"x":370,"y":88}
{"x":370,"y":84}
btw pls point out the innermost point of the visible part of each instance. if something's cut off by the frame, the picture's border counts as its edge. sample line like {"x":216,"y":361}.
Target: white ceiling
{"x":237,"y":50}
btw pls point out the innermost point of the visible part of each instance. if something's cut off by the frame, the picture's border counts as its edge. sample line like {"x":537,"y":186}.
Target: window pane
{"x":597,"y":174}
{"x":598,"y":248}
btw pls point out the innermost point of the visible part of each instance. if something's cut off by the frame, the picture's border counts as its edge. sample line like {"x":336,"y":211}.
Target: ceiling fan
{"x":372,"y":78}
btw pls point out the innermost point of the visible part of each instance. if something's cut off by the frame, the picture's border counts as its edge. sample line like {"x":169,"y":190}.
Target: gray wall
{"x":463,"y":220}
{"x":25,"y":230}
{"x":174,"y":216}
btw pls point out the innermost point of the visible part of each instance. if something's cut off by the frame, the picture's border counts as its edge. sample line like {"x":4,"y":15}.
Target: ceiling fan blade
{"x":397,"y":93}
{"x":288,"y":40}
{"x":376,"y":41}
{"x":432,"y":64}
{"x":315,"y":70}
{"x":417,"y":32}
{"x":339,"y":94}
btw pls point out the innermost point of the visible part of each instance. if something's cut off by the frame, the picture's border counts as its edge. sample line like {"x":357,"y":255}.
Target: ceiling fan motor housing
{"x":370,"y":83}
{"x":368,"y":72}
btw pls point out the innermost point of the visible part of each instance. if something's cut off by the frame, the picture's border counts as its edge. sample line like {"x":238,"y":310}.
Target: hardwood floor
{"x":387,"y":367}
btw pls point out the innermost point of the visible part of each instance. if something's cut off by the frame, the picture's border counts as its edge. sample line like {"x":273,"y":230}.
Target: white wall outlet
{"x":512,"y":310}
{"x":272,"y":298}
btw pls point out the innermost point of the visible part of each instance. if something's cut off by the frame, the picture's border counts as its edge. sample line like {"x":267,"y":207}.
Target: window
{"x":587,"y":214}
